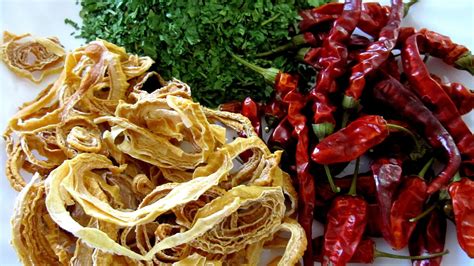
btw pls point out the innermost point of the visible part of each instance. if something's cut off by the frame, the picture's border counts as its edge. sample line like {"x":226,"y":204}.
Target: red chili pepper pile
{"x":368,"y":103}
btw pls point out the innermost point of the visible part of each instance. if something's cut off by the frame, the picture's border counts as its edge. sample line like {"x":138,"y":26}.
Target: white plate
{"x":46,"y":18}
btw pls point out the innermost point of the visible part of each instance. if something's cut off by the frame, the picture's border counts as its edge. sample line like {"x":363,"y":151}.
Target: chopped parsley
{"x":192,"y":40}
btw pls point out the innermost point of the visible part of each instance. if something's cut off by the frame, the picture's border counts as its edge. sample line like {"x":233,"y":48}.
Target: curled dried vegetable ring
{"x":25,"y":55}
{"x":130,"y":177}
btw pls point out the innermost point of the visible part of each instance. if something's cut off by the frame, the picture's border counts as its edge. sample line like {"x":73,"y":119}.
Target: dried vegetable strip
{"x":27,"y":56}
{"x":138,"y":178}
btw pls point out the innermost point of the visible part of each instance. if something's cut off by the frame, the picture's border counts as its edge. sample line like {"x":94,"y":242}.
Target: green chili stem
{"x":412,"y":135}
{"x":353,"y":188}
{"x":300,"y":55}
{"x":466,"y":62}
{"x":423,"y":214}
{"x":407,"y":6}
{"x":295,"y":42}
{"x":378,"y":254}
{"x":425,"y":168}
{"x":345,"y":119}
{"x":270,"y":20}
{"x":269,"y":74}
{"x":456,"y":177}
{"x":333,"y":186}
{"x":322,"y":130}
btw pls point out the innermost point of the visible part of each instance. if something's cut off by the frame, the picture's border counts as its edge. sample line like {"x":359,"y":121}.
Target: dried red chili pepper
{"x":296,"y":102}
{"x":408,"y":204}
{"x":372,"y":19}
{"x":387,"y":174}
{"x":352,"y":141}
{"x":346,"y":222}
{"x":461,"y":96}
{"x":282,"y":135}
{"x":374,"y":221}
{"x":393,"y":94}
{"x":375,"y":55}
{"x":463,"y":206}
{"x":365,"y":187}
{"x":325,"y":193}
{"x":429,"y":237}
{"x":285,"y":86}
{"x":315,"y":16}
{"x":434,"y":96}
{"x":274,"y":112}
{"x":332,"y":63}
{"x":367,"y":253}
{"x":441,"y":46}
{"x":250,"y":110}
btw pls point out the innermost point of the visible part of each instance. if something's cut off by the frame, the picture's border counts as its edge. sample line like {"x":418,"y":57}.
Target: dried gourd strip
{"x":38,"y":240}
{"x":149,"y":177}
{"x":296,"y":244}
{"x":25,"y":55}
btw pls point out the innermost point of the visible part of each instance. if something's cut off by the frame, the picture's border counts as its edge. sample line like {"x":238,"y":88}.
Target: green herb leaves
{"x":192,"y":40}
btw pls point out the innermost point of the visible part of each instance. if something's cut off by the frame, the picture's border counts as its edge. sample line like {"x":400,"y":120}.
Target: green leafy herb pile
{"x":192,"y":40}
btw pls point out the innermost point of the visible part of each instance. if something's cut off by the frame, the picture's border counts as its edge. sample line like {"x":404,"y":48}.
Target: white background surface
{"x":46,"y":18}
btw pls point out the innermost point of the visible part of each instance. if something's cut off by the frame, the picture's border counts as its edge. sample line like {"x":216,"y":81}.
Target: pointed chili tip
{"x":466,"y":62}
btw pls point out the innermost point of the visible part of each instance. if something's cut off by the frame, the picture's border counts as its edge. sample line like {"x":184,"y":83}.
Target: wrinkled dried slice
{"x":79,"y":134}
{"x":36,"y":238}
{"x":258,"y":218}
{"x":197,"y":260}
{"x":138,"y":178}
{"x":26,"y":55}
{"x":296,"y":244}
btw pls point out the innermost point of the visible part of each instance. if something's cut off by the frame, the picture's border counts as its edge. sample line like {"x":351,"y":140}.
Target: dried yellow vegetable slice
{"x":128,"y":177}
{"x":26,"y":55}
{"x":36,"y":238}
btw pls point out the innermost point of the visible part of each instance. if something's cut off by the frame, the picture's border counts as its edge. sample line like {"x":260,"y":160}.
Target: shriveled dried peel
{"x":123,"y":176}
{"x":26,"y":55}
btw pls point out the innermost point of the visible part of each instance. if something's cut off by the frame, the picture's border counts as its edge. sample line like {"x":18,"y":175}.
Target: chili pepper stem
{"x":322,"y":130}
{"x":333,"y":186}
{"x":412,"y":135}
{"x":294,"y":43}
{"x":378,"y":254}
{"x":423,"y":214}
{"x":466,"y":62}
{"x":407,"y":6}
{"x":300,"y":55}
{"x":345,"y":119}
{"x":349,"y":102}
{"x":456,"y":177}
{"x":425,"y":168}
{"x":269,"y":74}
{"x":353,"y":188}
